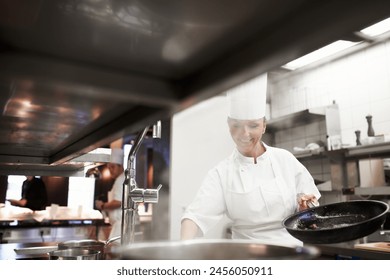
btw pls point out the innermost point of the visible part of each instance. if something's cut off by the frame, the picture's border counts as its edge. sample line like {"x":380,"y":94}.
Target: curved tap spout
{"x":132,"y":194}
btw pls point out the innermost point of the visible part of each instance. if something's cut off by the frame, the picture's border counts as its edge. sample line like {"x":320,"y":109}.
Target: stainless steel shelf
{"x":373,"y":191}
{"x":293,"y":120}
{"x":377,"y":150}
{"x":307,"y":155}
{"x":380,"y":150}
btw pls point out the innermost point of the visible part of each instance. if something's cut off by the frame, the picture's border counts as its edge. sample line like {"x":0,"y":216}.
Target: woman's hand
{"x":99,"y":204}
{"x":306,"y":201}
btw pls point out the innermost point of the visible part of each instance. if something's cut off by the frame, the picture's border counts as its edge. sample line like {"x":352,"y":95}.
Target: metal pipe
{"x":157,"y":130}
{"x":132,"y":194}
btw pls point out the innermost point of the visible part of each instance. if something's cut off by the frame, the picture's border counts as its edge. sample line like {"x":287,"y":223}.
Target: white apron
{"x":258,"y":206}
{"x":115,"y":218}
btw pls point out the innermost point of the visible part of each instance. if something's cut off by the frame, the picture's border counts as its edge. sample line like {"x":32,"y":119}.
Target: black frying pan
{"x":337,"y":222}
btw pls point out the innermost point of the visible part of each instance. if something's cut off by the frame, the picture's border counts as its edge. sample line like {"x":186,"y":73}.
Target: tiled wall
{"x":359,"y":83}
{"x":301,"y":136}
{"x":319,"y":168}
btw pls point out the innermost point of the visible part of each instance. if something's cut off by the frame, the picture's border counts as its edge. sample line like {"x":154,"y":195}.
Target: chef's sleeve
{"x":208,"y":206}
{"x":305,"y":182}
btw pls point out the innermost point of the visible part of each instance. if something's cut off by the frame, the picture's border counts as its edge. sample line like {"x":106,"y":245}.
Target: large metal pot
{"x":337,"y":222}
{"x":89,"y":244}
{"x":85,"y":244}
{"x":220,"y":249}
{"x":74,"y":254}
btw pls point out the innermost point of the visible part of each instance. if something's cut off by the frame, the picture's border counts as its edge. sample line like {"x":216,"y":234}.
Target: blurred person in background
{"x":114,"y":204}
{"x":34,"y":195}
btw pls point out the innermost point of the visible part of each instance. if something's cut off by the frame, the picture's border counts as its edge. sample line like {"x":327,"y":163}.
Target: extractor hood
{"x":76,"y":75}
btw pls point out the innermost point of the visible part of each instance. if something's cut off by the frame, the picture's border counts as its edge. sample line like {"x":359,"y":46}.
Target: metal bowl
{"x":74,"y":254}
{"x":220,"y":249}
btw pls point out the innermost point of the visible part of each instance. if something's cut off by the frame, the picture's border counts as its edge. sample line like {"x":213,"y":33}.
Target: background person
{"x":114,"y":203}
{"x":257,"y":186}
{"x":34,"y":195}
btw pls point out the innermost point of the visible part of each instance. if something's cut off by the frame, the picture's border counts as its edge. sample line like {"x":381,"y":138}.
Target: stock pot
{"x":85,"y":244}
{"x":74,"y":254}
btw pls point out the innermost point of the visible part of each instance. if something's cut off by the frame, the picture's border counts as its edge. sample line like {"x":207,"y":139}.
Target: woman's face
{"x":247,"y":135}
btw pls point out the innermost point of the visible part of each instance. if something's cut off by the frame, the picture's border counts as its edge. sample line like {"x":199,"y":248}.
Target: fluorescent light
{"x":377,"y":28}
{"x":319,"y":54}
{"x":338,"y":46}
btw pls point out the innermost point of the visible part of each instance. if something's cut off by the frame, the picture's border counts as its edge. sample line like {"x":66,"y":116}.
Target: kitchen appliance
{"x":214,"y":249}
{"x":337,"y":222}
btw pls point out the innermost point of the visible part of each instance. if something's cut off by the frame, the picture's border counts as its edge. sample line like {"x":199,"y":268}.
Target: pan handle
{"x":35,"y":250}
{"x":309,"y":203}
{"x":112,"y":239}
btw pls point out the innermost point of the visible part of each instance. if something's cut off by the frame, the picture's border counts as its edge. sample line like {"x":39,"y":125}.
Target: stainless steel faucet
{"x":132,"y":195}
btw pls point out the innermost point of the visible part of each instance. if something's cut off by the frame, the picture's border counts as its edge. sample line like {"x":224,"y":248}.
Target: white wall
{"x":200,"y":139}
{"x":81,"y":192}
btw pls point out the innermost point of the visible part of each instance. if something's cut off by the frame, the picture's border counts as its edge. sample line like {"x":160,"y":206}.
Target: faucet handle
{"x":151,"y":195}
{"x":145,"y":195}
{"x":157,"y":130}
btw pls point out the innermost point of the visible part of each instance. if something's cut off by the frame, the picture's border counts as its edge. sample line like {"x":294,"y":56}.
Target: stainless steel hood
{"x":77,"y":74}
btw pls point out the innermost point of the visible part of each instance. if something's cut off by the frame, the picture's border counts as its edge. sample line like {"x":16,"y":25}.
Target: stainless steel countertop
{"x":7,"y":251}
{"x":328,"y":251}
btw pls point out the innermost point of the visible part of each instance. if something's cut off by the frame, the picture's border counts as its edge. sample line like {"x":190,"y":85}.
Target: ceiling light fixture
{"x":377,"y":28}
{"x":319,"y":54}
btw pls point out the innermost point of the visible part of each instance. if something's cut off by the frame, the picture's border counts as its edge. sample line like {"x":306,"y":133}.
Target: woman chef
{"x":258,"y":185}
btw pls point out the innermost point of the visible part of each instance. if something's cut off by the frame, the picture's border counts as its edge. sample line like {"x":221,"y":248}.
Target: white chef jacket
{"x":256,"y":197}
{"x":115,"y":215}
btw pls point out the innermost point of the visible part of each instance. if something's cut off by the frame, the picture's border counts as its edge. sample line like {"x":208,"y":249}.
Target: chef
{"x":114,"y":204}
{"x":257,"y":186}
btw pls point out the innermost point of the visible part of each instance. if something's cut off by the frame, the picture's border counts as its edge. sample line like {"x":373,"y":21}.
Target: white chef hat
{"x":248,"y":100}
{"x":117,"y":156}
